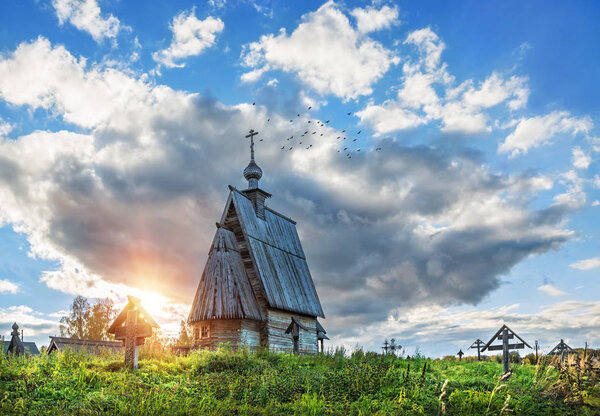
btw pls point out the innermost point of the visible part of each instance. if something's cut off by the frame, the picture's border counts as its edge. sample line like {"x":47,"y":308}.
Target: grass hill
{"x":229,"y":382}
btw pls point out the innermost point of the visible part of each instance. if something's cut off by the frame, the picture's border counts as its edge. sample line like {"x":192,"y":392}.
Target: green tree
{"x":101,"y":315}
{"x":184,"y":335}
{"x":86,"y":321}
{"x":74,"y":325}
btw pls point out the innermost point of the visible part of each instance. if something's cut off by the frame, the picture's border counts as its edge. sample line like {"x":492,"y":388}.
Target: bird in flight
{"x":253,"y":103}
{"x":309,"y":108}
{"x":349,"y":113}
{"x":354,"y":140}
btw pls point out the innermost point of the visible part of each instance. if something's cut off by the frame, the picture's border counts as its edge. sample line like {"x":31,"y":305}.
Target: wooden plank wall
{"x":278,"y":321}
{"x":236,"y":332}
{"x":250,"y":334}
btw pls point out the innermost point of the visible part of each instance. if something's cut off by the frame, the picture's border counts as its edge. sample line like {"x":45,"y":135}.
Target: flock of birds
{"x":304,"y":132}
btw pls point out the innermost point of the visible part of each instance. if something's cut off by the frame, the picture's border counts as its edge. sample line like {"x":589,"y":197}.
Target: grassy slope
{"x":225,"y":382}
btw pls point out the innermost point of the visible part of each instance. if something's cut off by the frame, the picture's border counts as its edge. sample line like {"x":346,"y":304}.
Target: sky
{"x":452,"y":183}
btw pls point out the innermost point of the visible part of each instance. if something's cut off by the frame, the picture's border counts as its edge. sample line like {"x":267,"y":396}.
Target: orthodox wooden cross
{"x":394,"y":346}
{"x":477,"y":344}
{"x":386,"y":346}
{"x":16,"y":346}
{"x":251,"y":135}
{"x":561,"y":349}
{"x":504,"y":334}
{"x":460,"y":354}
{"x":132,"y":326}
{"x":294,"y":329}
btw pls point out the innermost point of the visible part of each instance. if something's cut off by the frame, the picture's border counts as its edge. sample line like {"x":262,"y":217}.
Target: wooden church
{"x":256,"y":288}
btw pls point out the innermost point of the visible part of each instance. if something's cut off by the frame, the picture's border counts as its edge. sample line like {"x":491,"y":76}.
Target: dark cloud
{"x":135,"y":200}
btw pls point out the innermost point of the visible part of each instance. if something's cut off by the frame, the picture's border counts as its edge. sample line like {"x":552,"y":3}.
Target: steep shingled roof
{"x":277,"y":256}
{"x":224,"y":291}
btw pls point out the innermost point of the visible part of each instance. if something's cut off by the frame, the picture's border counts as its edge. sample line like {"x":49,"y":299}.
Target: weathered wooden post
{"x":321,"y":335}
{"x":131,"y":349}
{"x":132,"y":326}
{"x":504,"y":334}
{"x":585,"y":351}
{"x":505,"y":353}
{"x":460,"y":354}
{"x":477,"y":344}
{"x":536,"y":351}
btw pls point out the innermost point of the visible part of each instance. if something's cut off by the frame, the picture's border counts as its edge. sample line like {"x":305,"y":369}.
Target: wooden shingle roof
{"x":278,"y":257}
{"x":132,"y":303}
{"x":29,"y":347}
{"x":224,"y":291}
{"x":88,"y":345}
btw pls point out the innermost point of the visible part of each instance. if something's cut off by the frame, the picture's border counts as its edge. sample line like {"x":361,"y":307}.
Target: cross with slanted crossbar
{"x":478,"y":344}
{"x":251,"y":135}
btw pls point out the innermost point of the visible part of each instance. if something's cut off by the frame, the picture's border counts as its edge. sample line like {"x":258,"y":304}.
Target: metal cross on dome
{"x":251,"y":135}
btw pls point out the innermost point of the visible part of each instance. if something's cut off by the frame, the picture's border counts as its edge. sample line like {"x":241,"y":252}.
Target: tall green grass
{"x":227,"y":382}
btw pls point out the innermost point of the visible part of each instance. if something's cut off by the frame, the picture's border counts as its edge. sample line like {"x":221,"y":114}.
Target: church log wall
{"x":278,"y":321}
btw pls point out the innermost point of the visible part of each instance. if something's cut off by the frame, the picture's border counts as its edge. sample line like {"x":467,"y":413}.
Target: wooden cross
{"x":132,"y":326}
{"x":460,"y":354}
{"x":294,"y":329}
{"x":393,"y":346}
{"x":477,"y":344}
{"x":536,"y":351}
{"x":504,"y":334}
{"x":385,"y":346}
{"x":561,"y":349}
{"x":251,"y":135}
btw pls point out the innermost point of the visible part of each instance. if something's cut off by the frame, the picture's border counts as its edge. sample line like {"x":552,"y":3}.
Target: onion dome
{"x":252,"y":173}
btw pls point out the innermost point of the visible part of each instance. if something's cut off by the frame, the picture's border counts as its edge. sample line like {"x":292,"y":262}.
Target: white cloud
{"x":540,"y":130}
{"x":371,"y":19}
{"x":461,"y":109}
{"x":596,"y":181}
{"x":86,"y":15}
{"x":551,"y":290}
{"x":596,"y":203}
{"x":434,"y":331}
{"x":113,"y":203}
{"x":218,"y":4}
{"x":6,"y":286}
{"x":388,"y":117}
{"x":5,"y":128}
{"x":254,"y":75}
{"x":191,"y":37}
{"x":30,"y":321}
{"x":496,"y":90}
{"x":586,"y":264}
{"x":326,"y":53}
{"x":580,"y":159}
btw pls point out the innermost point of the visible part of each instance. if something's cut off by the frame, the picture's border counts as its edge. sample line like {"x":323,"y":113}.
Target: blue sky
{"x":121,"y":127}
